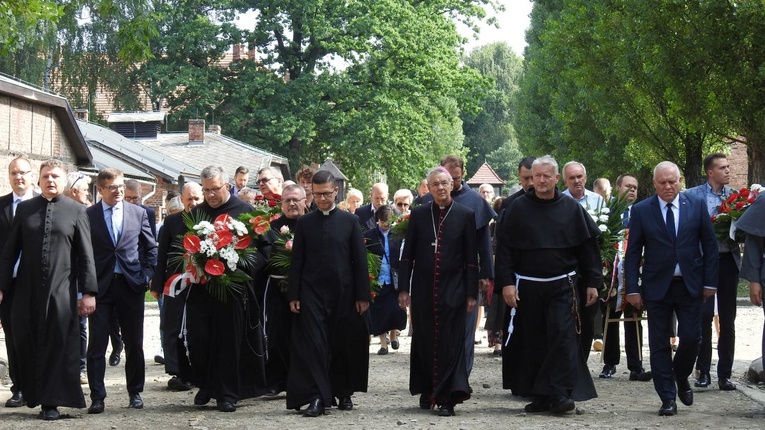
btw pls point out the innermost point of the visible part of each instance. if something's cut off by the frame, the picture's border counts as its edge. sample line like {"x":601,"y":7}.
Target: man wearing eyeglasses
{"x":329,"y":294}
{"x":21,"y":178}
{"x":125,"y":255}
{"x":270,"y":182}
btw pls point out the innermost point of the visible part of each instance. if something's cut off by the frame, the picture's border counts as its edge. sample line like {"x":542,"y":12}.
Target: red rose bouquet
{"x":731,"y":209}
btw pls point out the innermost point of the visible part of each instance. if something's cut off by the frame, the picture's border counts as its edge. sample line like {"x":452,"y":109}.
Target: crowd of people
{"x":532,"y":259}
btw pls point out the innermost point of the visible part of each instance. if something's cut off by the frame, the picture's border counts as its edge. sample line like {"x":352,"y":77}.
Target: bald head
{"x":191,"y":195}
{"x":379,"y":195}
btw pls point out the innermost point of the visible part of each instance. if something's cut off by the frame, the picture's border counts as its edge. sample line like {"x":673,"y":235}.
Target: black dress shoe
{"x":684,"y":392}
{"x":225,"y":406}
{"x":446,"y":411}
{"x":344,"y":404}
{"x":668,"y":408}
{"x":726,"y":384}
{"x":703,"y":381}
{"x":201,"y":398}
{"x":539,"y":404}
{"x":271,"y":392}
{"x":561,"y":404}
{"x":608,"y":371}
{"x":135,"y":401}
{"x":315,"y":408}
{"x":96,"y":407}
{"x":175,"y":384}
{"x":49,"y":413}
{"x":425,"y":402}
{"x":16,"y":401}
{"x":641,"y":375}
{"x":115,"y":357}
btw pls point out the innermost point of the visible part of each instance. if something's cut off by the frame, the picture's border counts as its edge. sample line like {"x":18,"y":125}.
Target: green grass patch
{"x":148,"y":298}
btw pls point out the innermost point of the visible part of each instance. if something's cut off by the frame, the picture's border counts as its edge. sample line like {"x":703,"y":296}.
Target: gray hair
{"x":175,"y":205}
{"x":77,"y":178}
{"x":133,"y":185}
{"x":574,"y":163}
{"x":274,"y":171}
{"x":403,"y":193}
{"x":294,"y":187}
{"x":438,"y":170}
{"x":665,"y":164}
{"x":214,"y":172}
{"x":548,"y":160}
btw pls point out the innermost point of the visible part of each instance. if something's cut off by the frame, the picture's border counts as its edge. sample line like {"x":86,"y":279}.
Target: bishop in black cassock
{"x":440,"y":257}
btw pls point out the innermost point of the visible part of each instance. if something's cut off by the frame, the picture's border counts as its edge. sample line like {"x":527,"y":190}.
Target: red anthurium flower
{"x":221,"y":221}
{"x":224,"y":238}
{"x":242,"y":242}
{"x":260,"y":224}
{"x":275,"y":217}
{"x":215,"y":267}
{"x":191,"y":243}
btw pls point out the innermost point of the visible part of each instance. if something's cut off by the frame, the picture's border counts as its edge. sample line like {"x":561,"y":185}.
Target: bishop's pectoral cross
{"x":434,"y":244}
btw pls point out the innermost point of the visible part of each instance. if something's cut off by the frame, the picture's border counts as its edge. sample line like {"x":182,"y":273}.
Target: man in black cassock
{"x":51,"y":233}
{"x":216,"y":329}
{"x":329,"y":293}
{"x":484,"y":213}
{"x":270,"y":288}
{"x":545,"y":243}
{"x":440,"y":257}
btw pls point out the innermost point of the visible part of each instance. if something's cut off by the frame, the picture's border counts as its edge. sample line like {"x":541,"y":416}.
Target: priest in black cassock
{"x":271,"y":291}
{"x":484,"y":213}
{"x":440,"y":257}
{"x":329,"y":293}
{"x":51,"y":233}
{"x":216,"y":329}
{"x":547,"y":242}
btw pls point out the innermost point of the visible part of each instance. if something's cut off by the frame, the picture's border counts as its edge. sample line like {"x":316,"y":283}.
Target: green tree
{"x":491,"y":132}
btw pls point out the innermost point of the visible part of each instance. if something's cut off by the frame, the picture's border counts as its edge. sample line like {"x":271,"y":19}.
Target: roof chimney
{"x":196,"y":132}
{"x":237,"y":54}
{"x":81,"y":114}
{"x":214,"y":129}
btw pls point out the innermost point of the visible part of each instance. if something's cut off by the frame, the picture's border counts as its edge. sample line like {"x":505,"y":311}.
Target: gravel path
{"x":388,"y":405}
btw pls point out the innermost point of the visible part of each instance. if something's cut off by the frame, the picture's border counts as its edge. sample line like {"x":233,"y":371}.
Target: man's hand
{"x":403,"y":300}
{"x":592,"y":296}
{"x":362,"y":306}
{"x":510,"y":295}
{"x":295,"y":306}
{"x":86,"y":305}
{"x":635,"y":300}
{"x":483,"y":285}
{"x":471,"y":302}
{"x":755,"y":293}
{"x":155,"y":294}
{"x":709,"y":292}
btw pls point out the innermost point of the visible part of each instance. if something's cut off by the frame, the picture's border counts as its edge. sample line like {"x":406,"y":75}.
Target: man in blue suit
{"x":125,"y":255}
{"x":673,"y":235}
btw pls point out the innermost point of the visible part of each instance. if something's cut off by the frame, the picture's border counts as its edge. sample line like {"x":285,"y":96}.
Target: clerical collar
{"x":326,"y":213}
{"x":449,"y":203}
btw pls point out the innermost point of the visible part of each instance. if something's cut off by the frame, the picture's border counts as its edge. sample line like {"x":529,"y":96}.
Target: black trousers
{"x":129,"y":307}
{"x":727,"y":286}
{"x":5,"y":318}
{"x":171,"y":317}
{"x":587,"y":316}
{"x":633,"y":341}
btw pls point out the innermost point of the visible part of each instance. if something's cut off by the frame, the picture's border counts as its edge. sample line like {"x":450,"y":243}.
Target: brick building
{"x":39,"y":125}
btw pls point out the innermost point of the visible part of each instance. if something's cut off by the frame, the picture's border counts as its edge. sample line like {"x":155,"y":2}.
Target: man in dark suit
{"x":21,"y":177}
{"x":125,"y":255}
{"x":673,"y":235}
{"x":366,"y":213}
{"x":714,"y":192}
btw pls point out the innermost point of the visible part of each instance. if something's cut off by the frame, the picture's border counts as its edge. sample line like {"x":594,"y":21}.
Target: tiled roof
{"x":485,"y":175}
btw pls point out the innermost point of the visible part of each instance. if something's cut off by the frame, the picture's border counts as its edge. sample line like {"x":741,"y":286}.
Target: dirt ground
{"x":388,"y":405}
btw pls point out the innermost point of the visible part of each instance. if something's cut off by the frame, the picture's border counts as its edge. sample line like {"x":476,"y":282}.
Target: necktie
{"x":116,"y":223}
{"x":671,"y":221}
{"x":626,"y":217}
{"x":15,"y":205}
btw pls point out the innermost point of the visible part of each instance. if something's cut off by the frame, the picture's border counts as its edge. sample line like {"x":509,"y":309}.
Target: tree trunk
{"x":755,"y":151}
{"x":694,"y":144}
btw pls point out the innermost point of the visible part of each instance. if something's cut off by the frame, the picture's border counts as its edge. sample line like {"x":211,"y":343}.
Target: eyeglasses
{"x":212,"y":190}
{"x":324,"y":195}
{"x":20,"y":173}
{"x":443,"y":184}
{"x":263,"y":180}
{"x":114,"y":188}
{"x":77,"y":180}
{"x":293,"y":201}
{"x":402,"y":204}
{"x":132,"y":199}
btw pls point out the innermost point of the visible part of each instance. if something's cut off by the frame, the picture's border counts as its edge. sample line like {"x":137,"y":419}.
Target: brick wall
{"x":739,"y":165}
{"x":30,"y":129}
